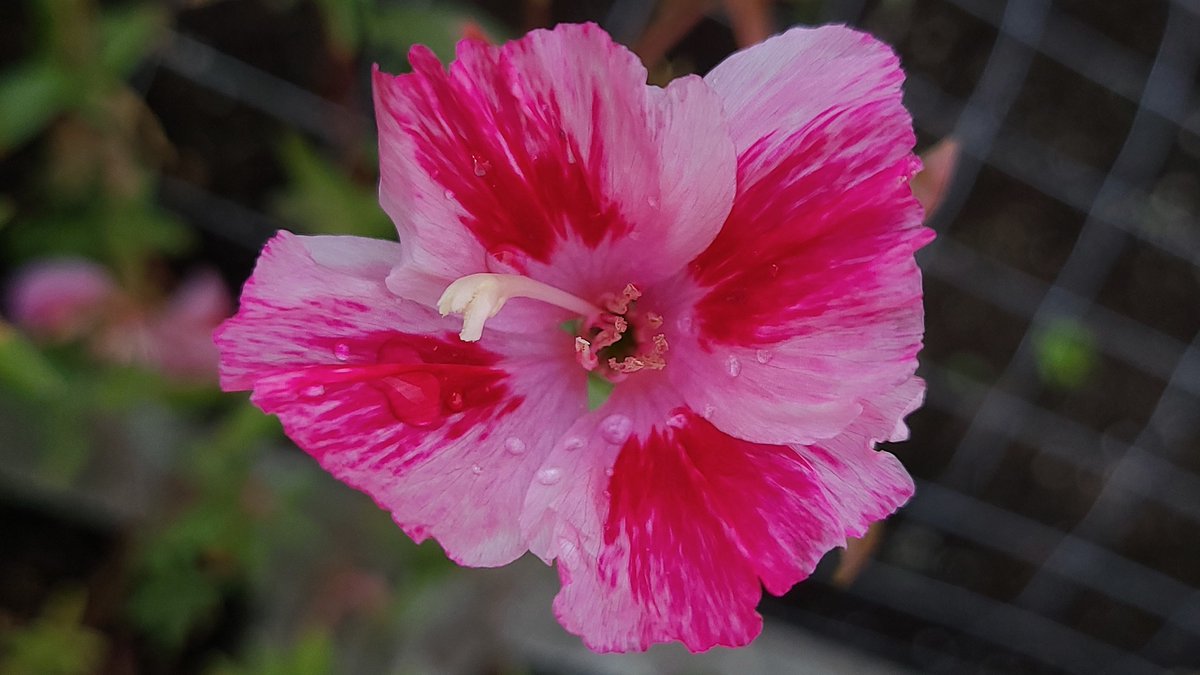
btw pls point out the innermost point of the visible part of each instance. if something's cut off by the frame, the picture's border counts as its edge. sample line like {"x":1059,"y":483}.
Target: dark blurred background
{"x":150,"y":524}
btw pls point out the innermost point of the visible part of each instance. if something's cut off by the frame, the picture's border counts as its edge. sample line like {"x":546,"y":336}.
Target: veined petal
{"x":446,"y":435}
{"x":551,"y":156}
{"x":673,"y":539}
{"x":810,"y":294}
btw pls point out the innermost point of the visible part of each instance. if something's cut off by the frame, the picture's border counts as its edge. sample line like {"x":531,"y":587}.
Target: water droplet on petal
{"x":315,"y":391}
{"x":481,"y":166}
{"x":448,"y":194}
{"x":774,"y":270}
{"x":653,"y":202}
{"x":733,"y":366}
{"x":708,"y":411}
{"x":616,"y":428}
{"x":762,"y":356}
{"x":570,"y":154}
{"x":341,"y":351}
{"x":514,"y":445}
{"x":506,"y":260}
{"x":476,"y":469}
{"x":677,"y":421}
{"x":609,"y":472}
{"x":572,"y":444}
{"x":455,"y":401}
{"x":414,"y":398}
{"x":549,"y":476}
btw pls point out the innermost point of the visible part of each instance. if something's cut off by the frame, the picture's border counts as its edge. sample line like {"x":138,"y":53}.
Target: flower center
{"x":614,"y":338}
{"x":622,"y":339}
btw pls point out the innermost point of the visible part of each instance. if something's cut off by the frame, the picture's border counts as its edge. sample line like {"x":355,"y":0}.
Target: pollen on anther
{"x":620,"y":305}
{"x":585,"y":355}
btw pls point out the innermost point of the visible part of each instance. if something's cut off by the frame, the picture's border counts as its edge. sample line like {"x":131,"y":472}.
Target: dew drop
{"x":733,"y":366}
{"x":455,"y":401}
{"x":570,"y":154}
{"x":616,"y":428}
{"x":762,"y":356}
{"x":505,"y":260}
{"x":677,"y":421}
{"x":341,"y":351}
{"x":653,"y":202}
{"x":549,"y":476}
{"x":315,"y":391}
{"x":708,"y":411}
{"x":572,"y":444}
{"x":412,"y":397}
{"x":476,"y":469}
{"x":609,"y":472}
{"x":481,"y":166}
{"x":514,"y":445}
{"x":448,"y":194}
{"x":773,"y":270}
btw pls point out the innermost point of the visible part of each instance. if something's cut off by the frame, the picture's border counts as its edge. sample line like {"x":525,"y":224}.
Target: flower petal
{"x":675,"y":544}
{"x":810,"y":293}
{"x":549,"y":148}
{"x":444,"y":434}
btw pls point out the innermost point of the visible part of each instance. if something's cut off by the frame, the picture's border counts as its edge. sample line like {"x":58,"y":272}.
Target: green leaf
{"x":24,"y":369}
{"x":56,"y":643}
{"x":31,"y":95}
{"x":320,"y":197}
{"x":438,"y":27}
{"x":127,"y":34}
{"x":345,"y":21}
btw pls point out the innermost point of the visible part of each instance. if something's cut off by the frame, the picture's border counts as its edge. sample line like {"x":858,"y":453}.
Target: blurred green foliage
{"x":320,"y":197}
{"x":56,"y":643}
{"x":227,"y":516}
{"x":1066,"y":354}
{"x":311,"y":655}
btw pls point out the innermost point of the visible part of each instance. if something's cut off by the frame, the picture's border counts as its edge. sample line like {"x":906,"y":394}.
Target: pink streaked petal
{"x":810,"y":293}
{"x":446,"y":435}
{"x":675,"y":544}
{"x":58,"y":298}
{"x":551,"y":147}
{"x":811,"y":385}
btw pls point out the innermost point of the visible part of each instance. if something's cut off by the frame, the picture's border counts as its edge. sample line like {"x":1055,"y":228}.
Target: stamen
{"x":479,"y":297}
{"x":584,"y":354}
{"x":652,"y":360}
{"x":621,"y":305}
{"x":611,"y":333}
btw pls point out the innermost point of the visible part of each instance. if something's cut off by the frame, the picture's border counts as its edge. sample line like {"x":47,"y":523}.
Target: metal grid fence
{"x":1064,"y":570}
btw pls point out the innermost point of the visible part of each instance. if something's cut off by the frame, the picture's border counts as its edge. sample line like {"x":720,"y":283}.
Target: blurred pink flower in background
{"x":728,"y":260}
{"x":68,"y":299}
{"x":58,"y":300}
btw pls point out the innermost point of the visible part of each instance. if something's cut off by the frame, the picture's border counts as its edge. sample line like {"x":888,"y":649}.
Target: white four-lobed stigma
{"x":478,"y":297}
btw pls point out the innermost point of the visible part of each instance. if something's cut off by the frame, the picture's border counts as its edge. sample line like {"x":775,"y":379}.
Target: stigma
{"x":614,"y":337}
{"x":479,"y":297}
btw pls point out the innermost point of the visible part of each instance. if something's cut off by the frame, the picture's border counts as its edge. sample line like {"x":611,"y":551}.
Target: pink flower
{"x":59,"y":299}
{"x":733,"y":253}
{"x":66,"y":299}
